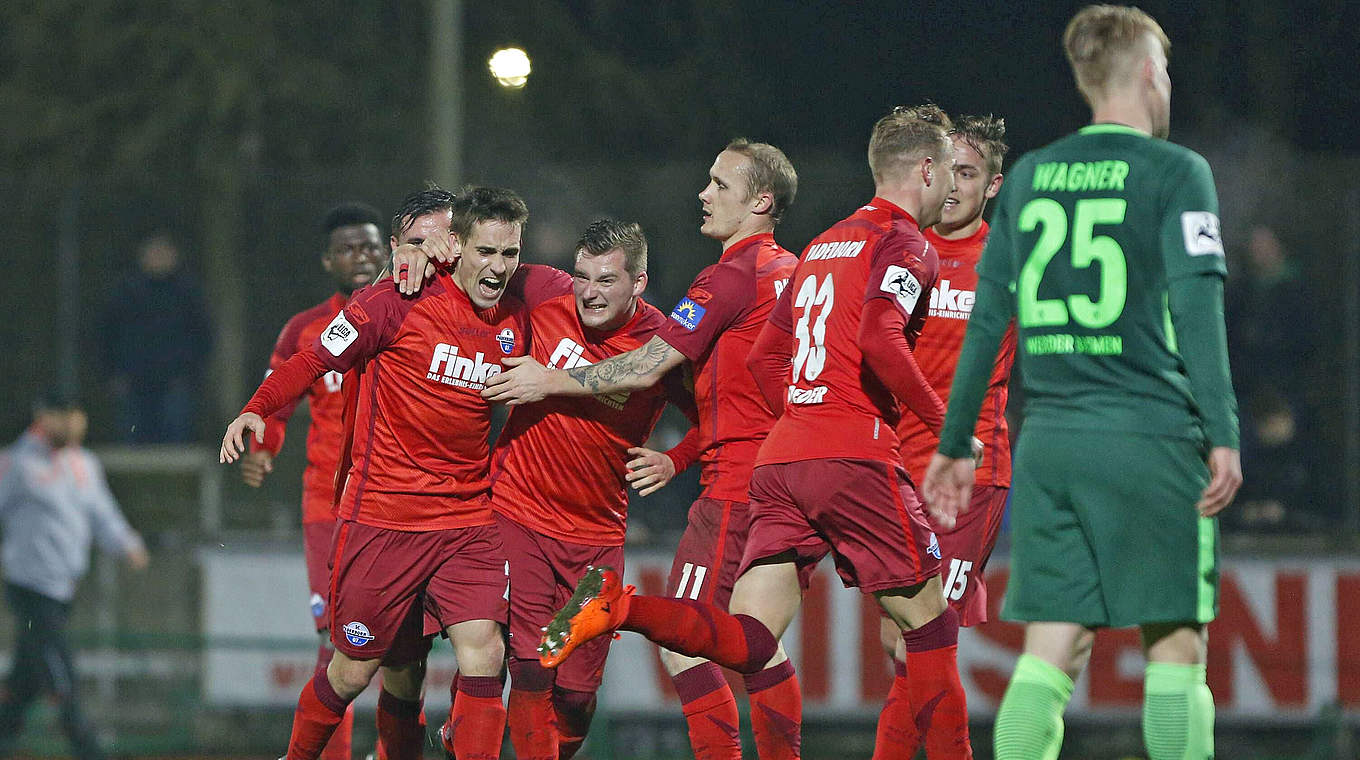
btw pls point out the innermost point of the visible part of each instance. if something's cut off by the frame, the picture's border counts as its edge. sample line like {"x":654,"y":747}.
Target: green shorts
{"x":1105,"y":532}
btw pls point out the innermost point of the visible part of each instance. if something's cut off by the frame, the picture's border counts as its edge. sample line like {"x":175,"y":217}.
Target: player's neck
{"x":754,"y":225}
{"x":902,"y":197}
{"x":1121,"y":109}
{"x":967,"y":230}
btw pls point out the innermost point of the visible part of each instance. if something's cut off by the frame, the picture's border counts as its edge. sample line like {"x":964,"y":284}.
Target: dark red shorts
{"x":710,"y":551}
{"x":864,"y":512}
{"x":318,"y":539}
{"x":383,"y":580}
{"x":967,"y":548}
{"x":543,"y":575}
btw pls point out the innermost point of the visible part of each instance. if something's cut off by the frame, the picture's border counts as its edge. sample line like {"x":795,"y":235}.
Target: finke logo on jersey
{"x":900,"y":282}
{"x":934,"y":548}
{"x":338,"y":335}
{"x":357,"y":633}
{"x":951,"y":303}
{"x":507,"y":340}
{"x":318,"y":605}
{"x":688,"y":313}
{"x":451,"y":369}
{"x":1202,"y":237}
{"x":569,"y":355}
{"x":845,"y":249}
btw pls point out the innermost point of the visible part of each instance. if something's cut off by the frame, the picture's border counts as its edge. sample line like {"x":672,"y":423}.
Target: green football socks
{"x":1029,"y":723}
{"x":1178,"y":712}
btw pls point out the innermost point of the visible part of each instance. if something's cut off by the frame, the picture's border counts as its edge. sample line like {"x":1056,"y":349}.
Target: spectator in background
{"x":53,"y":502}
{"x":157,"y":337}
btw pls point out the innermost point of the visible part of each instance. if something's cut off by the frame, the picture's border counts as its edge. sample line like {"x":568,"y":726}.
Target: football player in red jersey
{"x":416,"y":519}
{"x":979,"y":149}
{"x":353,"y":257}
{"x":835,"y":359}
{"x":713,"y":327}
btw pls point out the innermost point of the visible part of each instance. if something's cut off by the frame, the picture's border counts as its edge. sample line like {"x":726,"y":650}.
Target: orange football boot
{"x":598,"y":607}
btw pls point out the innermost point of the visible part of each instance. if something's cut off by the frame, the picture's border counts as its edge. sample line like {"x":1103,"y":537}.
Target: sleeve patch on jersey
{"x":1202,"y":237}
{"x":688,"y":313}
{"x":901,"y":283}
{"x":339,"y":335}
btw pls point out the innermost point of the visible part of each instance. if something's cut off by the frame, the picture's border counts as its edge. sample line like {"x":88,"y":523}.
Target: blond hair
{"x":1099,"y":35}
{"x":906,"y":135}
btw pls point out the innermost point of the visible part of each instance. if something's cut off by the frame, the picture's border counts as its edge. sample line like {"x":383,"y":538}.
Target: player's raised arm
{"x":528,"y":381}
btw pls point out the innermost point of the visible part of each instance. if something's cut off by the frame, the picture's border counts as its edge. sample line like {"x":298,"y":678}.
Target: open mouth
{"x":490,"y":287}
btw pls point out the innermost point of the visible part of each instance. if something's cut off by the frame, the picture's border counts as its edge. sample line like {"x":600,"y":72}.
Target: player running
{"x":979,"y":148}
{"x":1105,"y":247}
{"x":713,"y":327}
{"x":834,"y":356}
{"x":416,"y":519}
{"x":353,"y":257}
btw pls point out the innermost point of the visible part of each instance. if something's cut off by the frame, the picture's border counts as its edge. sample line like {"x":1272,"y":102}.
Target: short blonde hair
{"x":906,"y":135}
{"x":1098,"y":35}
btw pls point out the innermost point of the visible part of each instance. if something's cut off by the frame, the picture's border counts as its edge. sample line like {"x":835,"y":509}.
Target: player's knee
{"x":404,"y":681}
{"x":349,"y":677}
{"x":675,"y":664}
{"x":479,"y":647}
{"x":1177,"y":643}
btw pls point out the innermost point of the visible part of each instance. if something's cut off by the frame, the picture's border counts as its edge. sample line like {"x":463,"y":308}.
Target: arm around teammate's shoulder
{"x":527,"y":381}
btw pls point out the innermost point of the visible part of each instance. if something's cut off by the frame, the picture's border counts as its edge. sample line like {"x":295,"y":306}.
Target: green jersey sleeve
{"x":1191,"y":241}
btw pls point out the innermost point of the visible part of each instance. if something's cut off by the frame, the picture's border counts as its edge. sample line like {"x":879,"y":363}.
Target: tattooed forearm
{"x":628,"y":371}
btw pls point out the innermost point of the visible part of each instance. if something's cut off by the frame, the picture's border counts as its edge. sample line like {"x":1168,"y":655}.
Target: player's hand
{"x":233,"y":442}
{"x":255,"y":465}
{"x":525,"y":382}
{"x":649,"y":470}
{"x":978,"y":448}
{"x":948,"y":488}
{"x":407,"y":261}
{"x":1225,"y":476}
{"x":136,"y":557}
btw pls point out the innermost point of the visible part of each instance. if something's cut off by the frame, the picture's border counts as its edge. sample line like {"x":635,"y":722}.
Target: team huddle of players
{"x":815,"y":386}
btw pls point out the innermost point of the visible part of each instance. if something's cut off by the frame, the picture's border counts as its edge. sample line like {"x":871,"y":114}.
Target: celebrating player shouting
{"x":1105,"y":247}
{"x":979,"y":147}
{"x":416,"y":519}
{"x":834,"y":356}
{"x":714,"y":326}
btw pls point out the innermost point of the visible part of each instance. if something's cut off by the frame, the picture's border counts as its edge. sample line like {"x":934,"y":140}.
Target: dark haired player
{"x":415,"y":517}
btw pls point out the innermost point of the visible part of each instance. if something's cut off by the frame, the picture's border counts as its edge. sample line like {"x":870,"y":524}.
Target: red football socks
{"x":340,"y":746}
{"x":897,"y":738}
{"x":776,"y":712}
{"x":533,"y":728}
{"x":320,"y":710}
{"x":936,"y":694}
{"x":711,"y":712}
{"x":575,"y":709}
{"x":401,"y":727}
{"x":477,"y":718}
{"x":695,"y":629}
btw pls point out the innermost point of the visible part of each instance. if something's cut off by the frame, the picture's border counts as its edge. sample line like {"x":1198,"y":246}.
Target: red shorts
{"x":864,"y":512}
{"x":543,"y":575}
{"x":967,"y":548}
{"x":318,"y":539}
{"x":381,"y":577}
{"x":710,"y":551}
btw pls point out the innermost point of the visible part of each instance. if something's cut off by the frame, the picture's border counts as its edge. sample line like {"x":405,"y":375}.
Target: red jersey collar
{"x":896,"y":210}
{"x":749,"y":241}
{"x":974,"y":239}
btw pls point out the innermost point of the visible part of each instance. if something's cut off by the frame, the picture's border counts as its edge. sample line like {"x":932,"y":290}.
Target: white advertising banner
{"x":1277,"y":652}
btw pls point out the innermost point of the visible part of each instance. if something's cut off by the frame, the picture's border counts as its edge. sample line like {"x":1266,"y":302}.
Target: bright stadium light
{"x":510,"y":67}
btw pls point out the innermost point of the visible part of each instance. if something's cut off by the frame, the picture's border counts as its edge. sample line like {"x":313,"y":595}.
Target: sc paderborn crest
{"x":506,"y":339}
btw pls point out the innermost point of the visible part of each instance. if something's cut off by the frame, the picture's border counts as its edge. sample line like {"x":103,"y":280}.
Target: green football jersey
{"x":1087,"y":233}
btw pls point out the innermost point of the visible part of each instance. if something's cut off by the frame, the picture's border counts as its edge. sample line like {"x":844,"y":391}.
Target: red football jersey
{"x":326,"y":432}
{"x":419,"y":447}
{"x":937,"y":352}
{"x":836,"y":407}
{"x":558,"y":466}
{"x":714,"y":326}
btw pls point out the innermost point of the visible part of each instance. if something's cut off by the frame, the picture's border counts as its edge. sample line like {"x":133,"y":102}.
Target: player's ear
{"x":994,"y":186}
{"x":639,"y":284}
{"x":763,"y":203}
{"x":928,"y":171}
{"x":392,"y":243}
{"x":327,"y":261}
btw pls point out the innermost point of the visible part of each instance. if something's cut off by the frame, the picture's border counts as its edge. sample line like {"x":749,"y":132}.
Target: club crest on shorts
{"x":934,"y":548}
{"x":357,"y":633}
{"x":507,"y":340}
{"x":318,"y":605}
